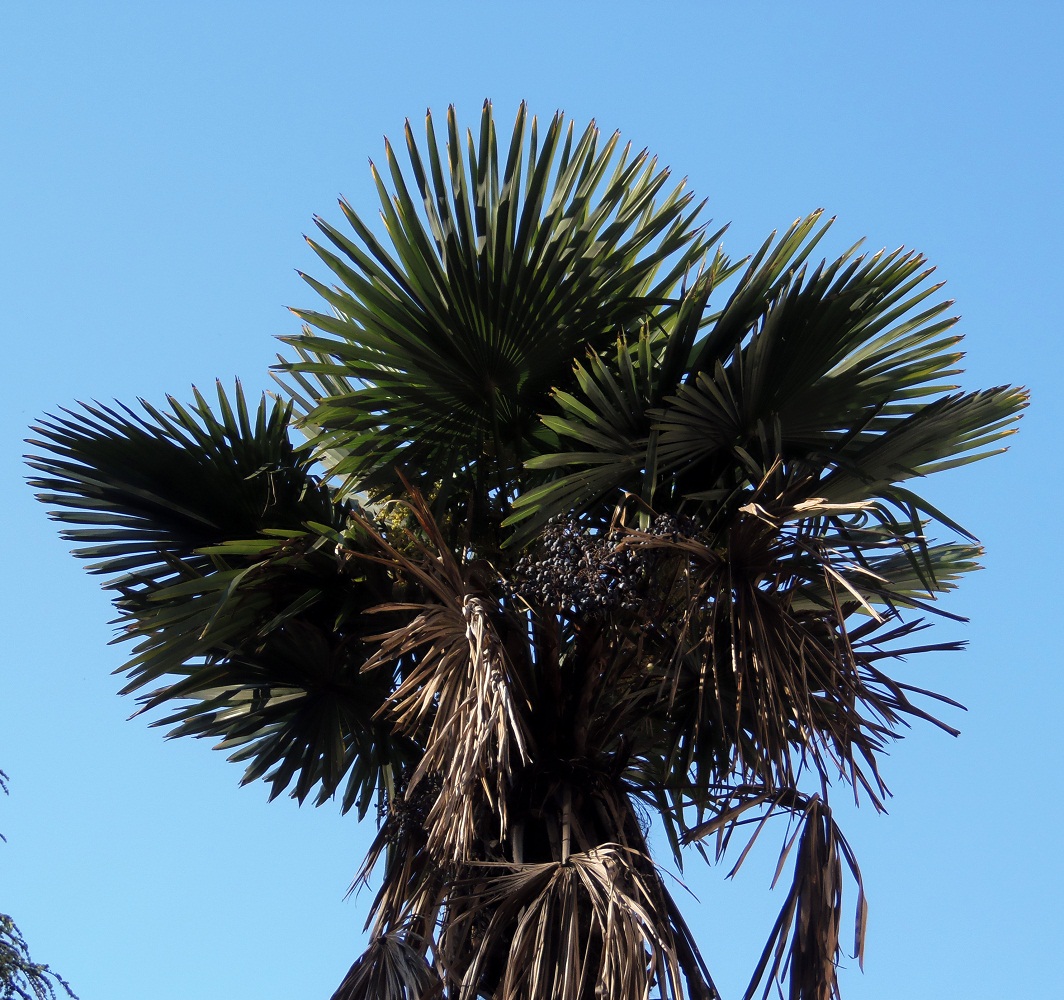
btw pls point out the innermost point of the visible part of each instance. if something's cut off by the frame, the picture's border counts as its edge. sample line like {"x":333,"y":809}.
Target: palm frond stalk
{"x":591,"y":524}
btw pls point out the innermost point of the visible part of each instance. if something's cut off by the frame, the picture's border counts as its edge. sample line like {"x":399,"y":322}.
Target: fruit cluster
{"x":576,"y":568}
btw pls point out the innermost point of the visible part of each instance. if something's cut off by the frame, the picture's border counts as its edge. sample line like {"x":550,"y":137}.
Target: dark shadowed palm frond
{"x":837,"y":382}
{"x":209,"y":528}
{"x":592,"y":525}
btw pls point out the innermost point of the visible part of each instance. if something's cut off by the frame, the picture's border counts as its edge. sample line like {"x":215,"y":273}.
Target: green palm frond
{"x":440,"y":352}
{"x":209,"y":528}
{"x":145,"y":490}
{"x":946,"y":433}
{"x":840,"y":374}
{"x":831,"y":354}
{"x":606,"y":418}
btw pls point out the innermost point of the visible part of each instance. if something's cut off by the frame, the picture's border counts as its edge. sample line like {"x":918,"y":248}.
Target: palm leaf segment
{"x":668,"y":547}
{"x":440,"y":353}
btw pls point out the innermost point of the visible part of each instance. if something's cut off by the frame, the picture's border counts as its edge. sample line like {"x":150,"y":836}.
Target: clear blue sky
{"x":158,"y":163}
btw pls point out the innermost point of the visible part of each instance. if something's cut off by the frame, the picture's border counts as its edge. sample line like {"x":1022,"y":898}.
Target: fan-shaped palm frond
{"x":830,"y":375}
{"x":441,"y":351}
{"x":149,"y":490}
{"x":209,"y":529}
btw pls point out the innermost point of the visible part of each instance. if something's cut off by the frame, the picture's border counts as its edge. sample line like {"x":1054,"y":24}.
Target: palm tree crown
{"x":590,"y":524}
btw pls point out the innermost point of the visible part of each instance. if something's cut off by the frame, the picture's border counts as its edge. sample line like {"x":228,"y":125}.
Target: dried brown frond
{"x":812,"y":913}
{"x":458,"y":693}
{"x":414,"y":884}
{"x":767,"y":665}
{"x":391,"y":968}
{"x":596,"y":926}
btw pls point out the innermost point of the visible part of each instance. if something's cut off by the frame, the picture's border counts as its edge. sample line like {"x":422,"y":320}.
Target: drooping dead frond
{"x":594,"y":926}
{"x":476,"y":736}
{"x":391,"y":968}
{"x":738,"y":806}
{"x":768,"y":668}
{"x":413,"y":885}
{"x":458,"y":693}
{"x":812,"y":913}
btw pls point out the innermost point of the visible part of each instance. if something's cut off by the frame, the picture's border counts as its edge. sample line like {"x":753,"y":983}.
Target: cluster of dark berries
{"x":408,"y":809}
{"x":575,"y":568}
{"x":673,"y":526}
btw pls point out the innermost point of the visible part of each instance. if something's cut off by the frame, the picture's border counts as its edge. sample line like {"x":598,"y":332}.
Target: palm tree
{"x":591,"y":525}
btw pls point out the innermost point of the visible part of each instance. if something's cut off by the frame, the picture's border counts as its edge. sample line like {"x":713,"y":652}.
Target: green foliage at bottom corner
{"x":20,"y":976}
